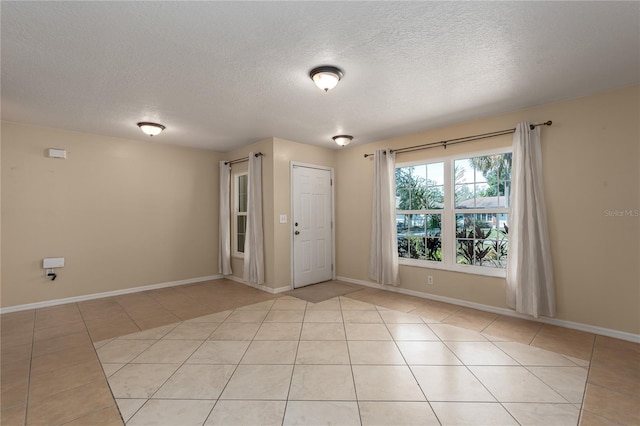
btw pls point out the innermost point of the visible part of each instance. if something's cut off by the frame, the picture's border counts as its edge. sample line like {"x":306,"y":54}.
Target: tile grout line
{"x":293,"y":369}
{"x":353,"y":376}
{"x":395,"y":342}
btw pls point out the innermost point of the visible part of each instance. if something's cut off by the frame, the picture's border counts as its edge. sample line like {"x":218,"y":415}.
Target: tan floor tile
{"x":397,"y":413}
{"x":271,"y":352}
{"x":14,"y":353}
{"x":192,"y":331}
{"x":168,"y":352}
{"x":544,"y":414}
{"x":323,"y":316}
{"x":578,"y":344}
{"x":260,"y":306}
{"x":235,"y":331}
{"x":111,"y":368}
{"x":349,"y":304}
{"x":322,"y":383}
{"x":156,"y":333}
{"x":394,"y":317}
{"x":219,"y":352}
{"x":228,"y":413}
{"x":367,"y":332}
{"x":17,"y":321}
{"x":513,"y":329}
{"x":411,"y":332}
{"x":284,"y":316}
{"x":109,"y":416}
{"x":472,"y":413}
{"x":57,"y":316}
{"x":612,"y":405}
{"x":162,"y":318}
{"x":128,"y":407}
{"x":433,"y":311}
{"x":322,"y":412}
{"x":461,"y":384}
{"x":322,"y":331}
{"x":288,"y":303}
{"x":101,"y":309}
{"x":386,"y":383}
{"x":363,"y":316}
{"x":621,"y":379}
{"x":451,"y":333}
{"x":71,"y":404}
{"x":62,"y":359}
{"x":267,"y":382}
{"x":190,"y":312}
{"x":58,"y":331}
{"x":590,"y":419}
{"x":249,"y":316}
{"x":375,"y":353}
{"x":17,"y":370}
{"x":18,"y":338}
{"x":43,"y":347}
{"x":322,"y":352}
{"x":215,"y":317}
{"x":47,"y":384}
{"x":427,"y":353}
{"x":569,"y":382}
{"x":122,"y":350}
{"x":480,"y":353}
{"x":172,"y":412}
{"x":529,"y":355}
{"x":140,"y":380}
{"x":99,"y":330}
{"x":196,"y":381}
{"x":13,"y":416}
{"x":471,"y":319}
{"x":279,"y":331}
{"x":515,"y":384}
{"x":326,"y":305}
{"x":14,"y":392}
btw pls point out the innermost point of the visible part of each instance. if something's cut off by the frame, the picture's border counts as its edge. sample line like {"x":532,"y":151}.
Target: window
{"x":453,"y":213}
{"x":240,"y":213}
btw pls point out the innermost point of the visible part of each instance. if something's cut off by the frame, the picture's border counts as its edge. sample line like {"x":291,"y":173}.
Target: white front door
{"x":312,"y":225}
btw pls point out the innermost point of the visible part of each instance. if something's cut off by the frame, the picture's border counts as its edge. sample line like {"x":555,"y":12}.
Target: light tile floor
{"x":341,"y":361}
{"x":50,"y":372}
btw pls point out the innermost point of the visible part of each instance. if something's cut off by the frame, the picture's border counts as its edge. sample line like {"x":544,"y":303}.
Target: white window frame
{"x":448,"y":237}
{"x":236,"y":213}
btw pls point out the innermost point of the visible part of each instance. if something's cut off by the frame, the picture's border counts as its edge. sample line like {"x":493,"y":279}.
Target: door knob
{"x":296,"y":223}
{"x":297,"y":232}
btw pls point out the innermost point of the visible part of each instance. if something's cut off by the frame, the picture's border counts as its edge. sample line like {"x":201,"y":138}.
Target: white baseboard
{"x":622,"y":335}
{"x":259,"y":287}
{"x":74,"y":299}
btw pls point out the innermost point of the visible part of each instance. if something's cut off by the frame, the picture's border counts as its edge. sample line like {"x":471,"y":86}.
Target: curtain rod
{"x":240,"y":160}
{"x":444,"y":144}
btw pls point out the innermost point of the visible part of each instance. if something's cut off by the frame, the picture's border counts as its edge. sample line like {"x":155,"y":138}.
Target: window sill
{"x":465,"y":269}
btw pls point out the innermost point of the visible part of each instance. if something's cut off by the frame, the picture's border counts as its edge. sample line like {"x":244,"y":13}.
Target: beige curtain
{"x":383,"y":252}
{"x":530,"y":286}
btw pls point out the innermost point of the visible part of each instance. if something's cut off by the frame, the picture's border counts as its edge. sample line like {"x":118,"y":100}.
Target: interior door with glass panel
{"x":312,"y":225}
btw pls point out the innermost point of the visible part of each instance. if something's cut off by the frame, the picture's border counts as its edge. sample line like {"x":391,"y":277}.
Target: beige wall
{"x":591,"y":164}
{"x":279,"y":154}
{"x":122,"y":213}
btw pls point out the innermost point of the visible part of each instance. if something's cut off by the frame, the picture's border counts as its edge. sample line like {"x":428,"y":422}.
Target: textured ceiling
{"x":221,"y":75}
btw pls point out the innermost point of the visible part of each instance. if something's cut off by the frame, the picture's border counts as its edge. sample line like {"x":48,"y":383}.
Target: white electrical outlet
{"x":53,"y":262}
{"x":430,"y":280}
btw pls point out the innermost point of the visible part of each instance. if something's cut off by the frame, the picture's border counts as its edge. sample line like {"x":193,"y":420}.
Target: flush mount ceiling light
{"x":151,"y":129}
{"x":326,"y":77}
{"x":342,"y":140}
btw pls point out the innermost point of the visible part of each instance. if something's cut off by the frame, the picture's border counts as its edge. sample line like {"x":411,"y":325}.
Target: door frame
{"x":292,"y":165}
